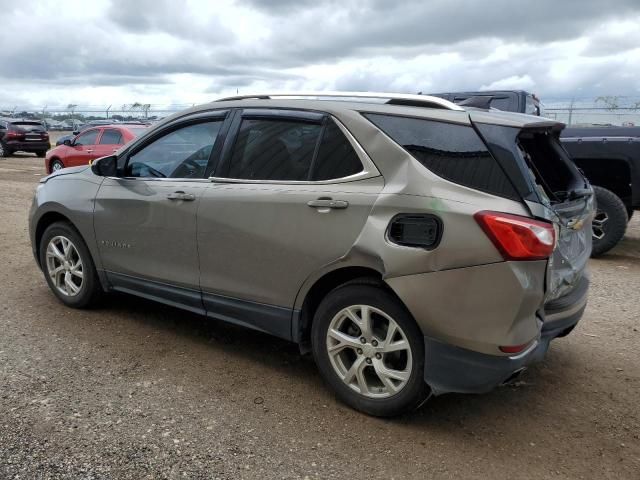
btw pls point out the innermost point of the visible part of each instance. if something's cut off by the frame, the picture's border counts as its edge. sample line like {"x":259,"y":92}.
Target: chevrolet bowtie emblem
{"x":576,"y":223}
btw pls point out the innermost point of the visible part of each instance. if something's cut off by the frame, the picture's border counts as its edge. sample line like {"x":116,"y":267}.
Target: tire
{"x":610,"y":222}
{"x":41,"y":154}
{"x":66,"y":261}
{"x":377,"y":397}
{"x":4,"y":150}
{"x":56,"y":165}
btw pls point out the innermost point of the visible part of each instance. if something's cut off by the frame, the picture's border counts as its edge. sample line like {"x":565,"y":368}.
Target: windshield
{"x":532,"y":107}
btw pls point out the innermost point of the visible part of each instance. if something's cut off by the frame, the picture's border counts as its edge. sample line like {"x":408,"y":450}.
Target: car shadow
{"x":534,"y":389}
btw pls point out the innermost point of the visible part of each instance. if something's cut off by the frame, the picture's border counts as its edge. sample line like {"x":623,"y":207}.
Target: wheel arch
{"x":319,"y":289}
{"x":51,"y":160}
{"x":44,"y":222}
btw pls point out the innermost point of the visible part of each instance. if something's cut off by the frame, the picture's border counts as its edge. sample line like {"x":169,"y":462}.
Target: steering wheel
{"x":144,"y":168}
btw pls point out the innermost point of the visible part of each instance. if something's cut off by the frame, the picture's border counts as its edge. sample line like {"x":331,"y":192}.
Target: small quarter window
{"x":336,"y":157}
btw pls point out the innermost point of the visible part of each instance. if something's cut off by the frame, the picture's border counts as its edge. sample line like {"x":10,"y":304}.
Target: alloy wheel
{"x":64,"y":266}
{"x":598,"y":224}
{"x":56,"y":165}
{"x":369,"y":351}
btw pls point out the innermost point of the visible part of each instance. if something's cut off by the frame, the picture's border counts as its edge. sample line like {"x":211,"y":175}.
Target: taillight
{"x":516,"y":237}
{"x":12,"y":135}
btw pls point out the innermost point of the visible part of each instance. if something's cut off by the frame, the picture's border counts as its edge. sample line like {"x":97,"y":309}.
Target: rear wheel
{"x":56,"y":165}
{"x":4,"y":150}
{"x":369,"y":350}
{"x":42,"y":153}
{"x":610,"y":222}
{"x":68,"y":266}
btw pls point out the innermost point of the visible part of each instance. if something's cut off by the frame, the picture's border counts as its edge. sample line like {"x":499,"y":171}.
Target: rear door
{"x":291,"y":196}
{"x":110,"y":140}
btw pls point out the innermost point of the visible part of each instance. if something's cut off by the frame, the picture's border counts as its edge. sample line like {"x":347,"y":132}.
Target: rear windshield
{"x":28,"y":126}
{"x":454,"y":152}
{"x":552,"y":168}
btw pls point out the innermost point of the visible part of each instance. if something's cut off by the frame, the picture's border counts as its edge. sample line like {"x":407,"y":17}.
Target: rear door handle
{"x":180,"y":195}
{"x":89,"y":151}
{"x":327,"y":203}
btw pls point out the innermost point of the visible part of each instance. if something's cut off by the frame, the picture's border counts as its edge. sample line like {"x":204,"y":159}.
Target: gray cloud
{"x":375,"y":45}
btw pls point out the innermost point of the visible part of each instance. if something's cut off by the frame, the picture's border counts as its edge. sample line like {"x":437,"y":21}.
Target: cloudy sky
{"x":162,"y":52}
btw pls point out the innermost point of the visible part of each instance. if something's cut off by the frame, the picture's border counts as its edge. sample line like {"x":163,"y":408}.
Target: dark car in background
{"x":507,"y":100}
{"x":24,"y":136}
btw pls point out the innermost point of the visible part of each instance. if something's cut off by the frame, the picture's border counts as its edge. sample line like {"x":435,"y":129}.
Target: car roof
{"x":397,"y":104}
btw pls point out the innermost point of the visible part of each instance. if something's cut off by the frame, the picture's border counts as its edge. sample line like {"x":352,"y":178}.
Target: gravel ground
{"x":139,"y":390}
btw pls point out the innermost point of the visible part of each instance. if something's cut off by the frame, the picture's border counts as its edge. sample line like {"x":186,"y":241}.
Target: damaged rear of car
{"x":495,"y":317}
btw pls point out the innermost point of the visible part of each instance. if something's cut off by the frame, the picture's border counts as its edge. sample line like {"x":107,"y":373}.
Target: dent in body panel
{"x":412,"y":188}
{"x":478,"y":308}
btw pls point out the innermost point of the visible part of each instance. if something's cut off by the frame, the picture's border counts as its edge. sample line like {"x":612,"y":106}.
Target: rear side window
{"x":268,"y":149}
{"x":111,"y":137}
{"x":281,"y":150}
{"x":454,"y":152}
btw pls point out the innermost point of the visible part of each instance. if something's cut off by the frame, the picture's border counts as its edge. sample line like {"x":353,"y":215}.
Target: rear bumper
{"x":29,"y":146}
{"x":453,"y":369}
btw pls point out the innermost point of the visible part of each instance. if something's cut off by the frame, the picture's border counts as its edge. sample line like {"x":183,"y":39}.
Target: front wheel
{"x":56,"y":165}
{"x":369,"y":350}
{"x":610,"y":222}
{"x":68,"y":266}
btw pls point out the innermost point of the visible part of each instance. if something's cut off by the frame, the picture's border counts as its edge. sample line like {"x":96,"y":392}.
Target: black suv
{"x":23,"y":135}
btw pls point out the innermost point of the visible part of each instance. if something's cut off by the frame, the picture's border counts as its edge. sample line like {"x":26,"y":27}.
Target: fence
{"x":606,"y":110}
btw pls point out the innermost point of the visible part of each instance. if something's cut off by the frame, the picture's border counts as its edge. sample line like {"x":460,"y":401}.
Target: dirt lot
{"x":139,"y":390}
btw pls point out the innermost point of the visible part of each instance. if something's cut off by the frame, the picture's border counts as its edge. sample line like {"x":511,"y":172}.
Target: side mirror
{"x":67,"y":142}
{"x":105,"y":166}
{"x":76,"y":132}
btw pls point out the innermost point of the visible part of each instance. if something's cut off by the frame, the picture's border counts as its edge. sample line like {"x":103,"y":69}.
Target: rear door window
{"x":454,"y":152}
{"x":291,"y":150}
{"x":111,"y":137}
{"x":274,"y":149}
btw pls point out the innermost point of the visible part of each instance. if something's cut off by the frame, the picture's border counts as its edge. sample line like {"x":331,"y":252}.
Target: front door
{"x":291,"y":197}
{"x":82,"y":148}
{"x":145,"y":221}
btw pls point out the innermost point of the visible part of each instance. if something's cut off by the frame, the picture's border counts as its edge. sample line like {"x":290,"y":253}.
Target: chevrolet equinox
{"x":415,"y":247}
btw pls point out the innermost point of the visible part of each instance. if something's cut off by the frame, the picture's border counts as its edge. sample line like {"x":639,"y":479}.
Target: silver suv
{"x":415,"y":247}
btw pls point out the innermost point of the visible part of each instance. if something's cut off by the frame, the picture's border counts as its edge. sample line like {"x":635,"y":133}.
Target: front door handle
{"x":180,"y":195}
{"x":328,"y":203}
{"x":89,"y":151}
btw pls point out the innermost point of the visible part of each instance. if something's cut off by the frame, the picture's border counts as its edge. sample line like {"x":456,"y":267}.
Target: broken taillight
{"x":517,"y":237}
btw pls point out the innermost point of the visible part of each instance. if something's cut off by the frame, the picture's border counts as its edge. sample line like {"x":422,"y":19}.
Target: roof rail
{"x":392,"y":98}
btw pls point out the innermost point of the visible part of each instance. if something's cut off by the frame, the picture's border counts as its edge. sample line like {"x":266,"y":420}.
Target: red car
{"x":91,"y":144}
